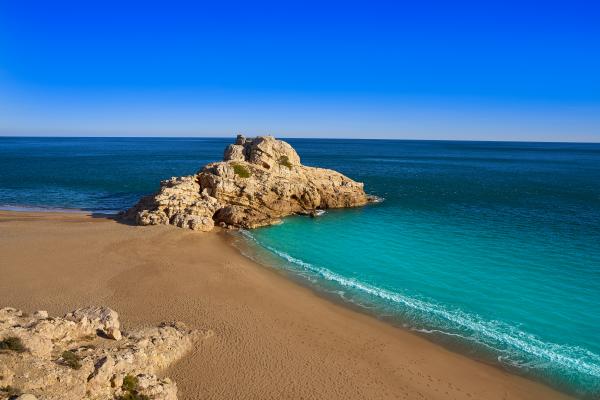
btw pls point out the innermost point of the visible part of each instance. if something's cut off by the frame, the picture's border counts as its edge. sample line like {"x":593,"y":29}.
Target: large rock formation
{"x":85,"y":355}
{"x":259,"y":181}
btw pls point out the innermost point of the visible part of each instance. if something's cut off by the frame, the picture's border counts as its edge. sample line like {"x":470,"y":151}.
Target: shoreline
{"x":274,"y":337}
{"x":447,"y":341}
{"x":59,"y":210}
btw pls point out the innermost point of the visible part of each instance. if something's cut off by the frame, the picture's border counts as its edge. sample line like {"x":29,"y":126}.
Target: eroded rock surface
{"x":85,"y":355}
{"x":259,"y":181}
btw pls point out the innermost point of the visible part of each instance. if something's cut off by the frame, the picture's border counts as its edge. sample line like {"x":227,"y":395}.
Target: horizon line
{"x":298,"y":138}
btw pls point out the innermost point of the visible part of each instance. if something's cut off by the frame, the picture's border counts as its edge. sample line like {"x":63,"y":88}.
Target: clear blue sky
{"x":431,"y":70}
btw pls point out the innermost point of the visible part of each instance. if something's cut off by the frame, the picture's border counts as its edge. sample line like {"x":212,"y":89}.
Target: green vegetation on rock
{"x":241,"y":171}
{"x":12,"y":343}
{"x":131,"y":388}
{"x":71,"y":359}
{"x":10,"y":391}
{"x":285,"y":161}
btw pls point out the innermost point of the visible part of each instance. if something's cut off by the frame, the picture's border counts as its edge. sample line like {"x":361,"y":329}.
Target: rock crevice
{"x":259,"y":181}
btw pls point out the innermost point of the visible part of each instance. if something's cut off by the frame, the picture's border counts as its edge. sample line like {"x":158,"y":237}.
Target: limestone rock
{"x":260,"y":181}
{"x":234,"y":152}
{"x":66,"y":359}
{"x":265,"y":151}
{"x":101,"y":318}
{"x":179,"y":202}
{"x":40,"y":314}
{"x":26,"y":396}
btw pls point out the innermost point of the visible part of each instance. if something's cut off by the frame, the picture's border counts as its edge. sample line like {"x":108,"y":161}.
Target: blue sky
{"x":430,"y":70}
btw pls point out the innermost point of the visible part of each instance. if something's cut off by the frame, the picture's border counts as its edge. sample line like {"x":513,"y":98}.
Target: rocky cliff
{"x":259,"y":181}
{"x":84,"y":354}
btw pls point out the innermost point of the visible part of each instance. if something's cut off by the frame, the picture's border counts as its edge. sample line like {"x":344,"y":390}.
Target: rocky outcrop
{"x":85,"y":355}
{"x":258,"y":182}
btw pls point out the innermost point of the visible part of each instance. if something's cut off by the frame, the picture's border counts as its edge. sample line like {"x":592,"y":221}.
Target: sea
{"x":489,"y":248}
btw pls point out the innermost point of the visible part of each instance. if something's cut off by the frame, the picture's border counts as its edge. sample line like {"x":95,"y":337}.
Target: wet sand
{"x":274,"y":339}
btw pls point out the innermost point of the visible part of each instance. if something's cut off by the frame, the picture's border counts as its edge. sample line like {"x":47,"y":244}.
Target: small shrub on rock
{"x":133,"y":396}
{"x":131,"y":389}
{"x":241,"y":171}
{"x":12,"y":343}
{"x":285,"y":161}
{"x":10,"y":391}
{"x":71,"y":359}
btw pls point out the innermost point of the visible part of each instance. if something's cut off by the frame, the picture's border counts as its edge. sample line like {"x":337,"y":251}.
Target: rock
{"x":98,"y":366}
{"x":40,"y":314}
{"x":180,"y":202}
{"x":27,"y":396}
{"x":102,"y":319}
{"x":269,"y":152}
{"x":240,"y":140}
{"x":234,"y":152}
{"x":260,"y":181}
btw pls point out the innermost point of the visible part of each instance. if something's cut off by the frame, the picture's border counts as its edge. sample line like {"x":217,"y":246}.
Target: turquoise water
{"x":492,"y":248}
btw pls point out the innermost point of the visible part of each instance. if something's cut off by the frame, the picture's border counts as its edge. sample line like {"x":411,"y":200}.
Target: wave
{"x":375,"y":199}
{"x":500,"y":337}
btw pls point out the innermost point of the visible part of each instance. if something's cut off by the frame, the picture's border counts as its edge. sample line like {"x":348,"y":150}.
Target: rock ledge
{"x":85,"y":355}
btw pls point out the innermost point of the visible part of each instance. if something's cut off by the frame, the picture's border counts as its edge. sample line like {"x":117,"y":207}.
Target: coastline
{"x":273,"y":337}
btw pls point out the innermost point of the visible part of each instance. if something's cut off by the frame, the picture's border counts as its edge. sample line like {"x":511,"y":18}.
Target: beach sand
{"x":273,"y":338}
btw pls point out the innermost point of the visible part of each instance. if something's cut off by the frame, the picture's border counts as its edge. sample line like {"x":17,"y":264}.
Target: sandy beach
{"x":272,"y":337}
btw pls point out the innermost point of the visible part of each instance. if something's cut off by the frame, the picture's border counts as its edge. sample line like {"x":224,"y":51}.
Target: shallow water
{"x":491,"y":246}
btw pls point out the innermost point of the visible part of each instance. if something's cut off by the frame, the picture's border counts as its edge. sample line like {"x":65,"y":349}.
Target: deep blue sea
{"x":491,"y":248}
